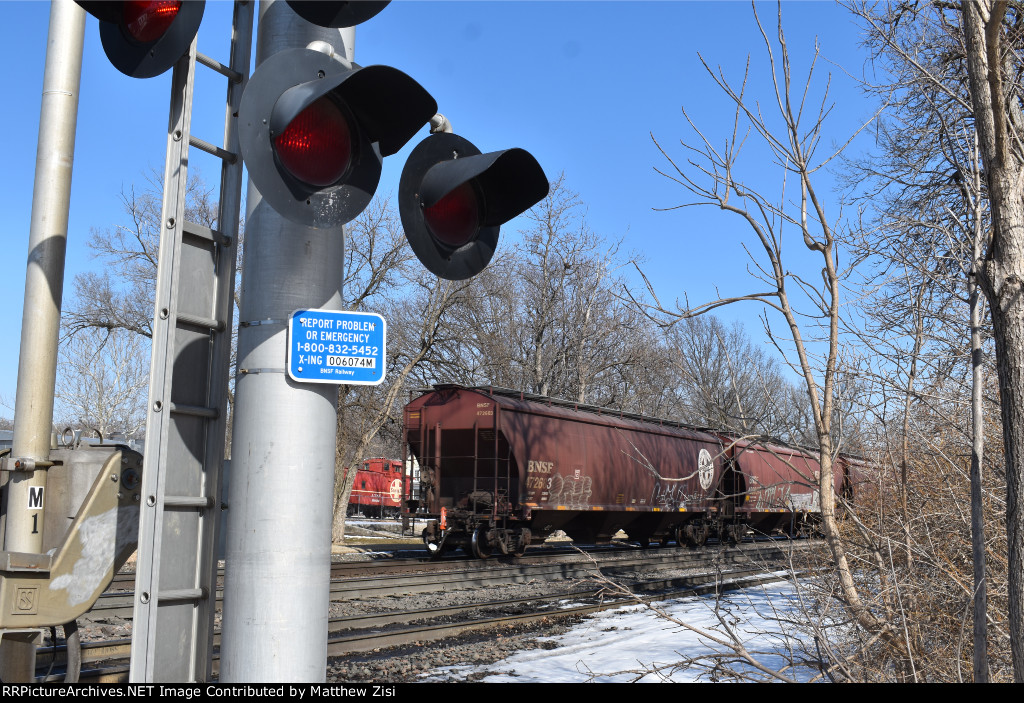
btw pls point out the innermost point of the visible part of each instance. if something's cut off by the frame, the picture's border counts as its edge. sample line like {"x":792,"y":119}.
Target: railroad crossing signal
{"x":313,"y":130}
{"x":453,"y":200}
{"x":144,"y":38}
{"x":337,"y":14}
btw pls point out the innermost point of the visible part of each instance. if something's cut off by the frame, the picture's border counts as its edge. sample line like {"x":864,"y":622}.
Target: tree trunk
{"x":1008,"y":324}
{"x":998,"y":118}
{"x":342,"y":493}
{"x":981,"y":669}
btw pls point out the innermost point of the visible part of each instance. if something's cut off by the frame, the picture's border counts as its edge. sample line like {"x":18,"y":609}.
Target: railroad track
{"x":365,"y":633}
{"x":355,"y":580}
{"x":370,"y":631}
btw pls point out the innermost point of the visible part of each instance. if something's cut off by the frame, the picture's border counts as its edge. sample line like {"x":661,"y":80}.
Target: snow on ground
{"x":635,"y":644}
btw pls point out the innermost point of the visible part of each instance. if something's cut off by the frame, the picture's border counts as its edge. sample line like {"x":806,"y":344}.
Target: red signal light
{"x":455,"y":219}
{"x":454,"y":199}
{"x":316,"y":147}
{"x":148,"y":20}
{"x":144,"y":38}
{"x":313,"y":132}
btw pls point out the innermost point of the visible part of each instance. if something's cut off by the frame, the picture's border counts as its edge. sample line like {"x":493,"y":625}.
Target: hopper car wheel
{"x":697,"y":536}
{"x":502,"y":542}
{"x":731,"y":535}
{"x":480,"y":546}
{"x":522,"y":539}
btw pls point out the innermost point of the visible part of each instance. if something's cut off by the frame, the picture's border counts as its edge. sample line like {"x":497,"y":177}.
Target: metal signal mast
{"x":312,"y":127}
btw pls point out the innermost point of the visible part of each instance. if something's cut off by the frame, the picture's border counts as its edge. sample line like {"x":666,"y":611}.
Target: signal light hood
{"x":505,"y":183}
{"x":288,"y":82}
{"x":128,"y":50}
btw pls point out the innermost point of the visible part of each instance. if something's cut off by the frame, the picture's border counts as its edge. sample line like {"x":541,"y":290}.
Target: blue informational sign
{"x":327,"y":346}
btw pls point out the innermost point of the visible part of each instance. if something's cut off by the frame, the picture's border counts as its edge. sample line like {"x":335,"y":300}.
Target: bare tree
{"x":993,"y":41}
{"x":6,"y":423}
{"x":711,"y":176}
{"x":545,"y":316}
{"x":726,"y":382}
{"x":102,"y":380}
{"x":382,"y":276}
{"x":121,"y":297}
{"x":958,"y":68}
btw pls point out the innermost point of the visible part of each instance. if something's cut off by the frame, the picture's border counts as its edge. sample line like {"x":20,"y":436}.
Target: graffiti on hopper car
{"x":573,"y":492}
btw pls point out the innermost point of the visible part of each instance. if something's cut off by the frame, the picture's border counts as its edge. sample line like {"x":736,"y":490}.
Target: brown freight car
{"x":502,"y":469}
{"x":770,"y":487}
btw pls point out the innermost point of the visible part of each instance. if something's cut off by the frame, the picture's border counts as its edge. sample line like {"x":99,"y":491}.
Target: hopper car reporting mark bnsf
{"x":500,"y":470}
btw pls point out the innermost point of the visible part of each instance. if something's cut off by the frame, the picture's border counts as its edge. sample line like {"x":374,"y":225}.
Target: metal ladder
{"x":176,"y":574}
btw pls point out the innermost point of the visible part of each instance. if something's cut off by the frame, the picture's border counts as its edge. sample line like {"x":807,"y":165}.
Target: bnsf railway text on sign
{"x":327,"y":346}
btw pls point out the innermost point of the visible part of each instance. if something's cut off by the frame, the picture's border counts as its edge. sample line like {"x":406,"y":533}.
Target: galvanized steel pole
{"x":44,"y":287}
{"x":281,"y":496}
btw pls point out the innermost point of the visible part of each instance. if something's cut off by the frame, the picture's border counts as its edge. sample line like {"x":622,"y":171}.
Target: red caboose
{"x":378,"y":488}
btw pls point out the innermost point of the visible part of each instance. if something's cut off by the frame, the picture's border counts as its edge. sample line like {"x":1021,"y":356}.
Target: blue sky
{"x":581,"y":85}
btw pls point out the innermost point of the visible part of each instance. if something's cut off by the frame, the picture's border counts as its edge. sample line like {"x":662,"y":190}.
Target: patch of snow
{"x":634,"y":644}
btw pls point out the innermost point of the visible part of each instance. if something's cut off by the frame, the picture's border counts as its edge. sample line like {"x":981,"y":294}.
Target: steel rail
{"x":370,"y":636}
{"x":464,"y":574}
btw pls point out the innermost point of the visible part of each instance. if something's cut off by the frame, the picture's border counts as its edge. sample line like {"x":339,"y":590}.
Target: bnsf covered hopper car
{"x":500,"y":470}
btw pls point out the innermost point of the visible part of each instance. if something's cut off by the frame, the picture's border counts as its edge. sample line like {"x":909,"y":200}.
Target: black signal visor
{"x":511,"y":182}
{"x":320,"y":167}
{"x":453,"y":199}
{"x":126,"y":47}
{"x":337,"y":13}
{"x":372,"y":94}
